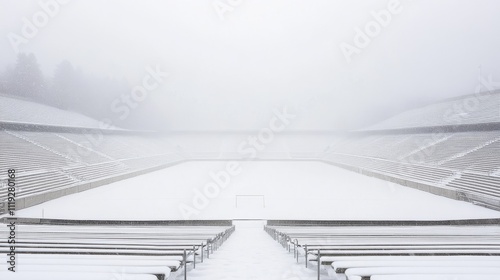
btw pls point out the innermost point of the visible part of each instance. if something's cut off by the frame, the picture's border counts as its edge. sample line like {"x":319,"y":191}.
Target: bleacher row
{"x":64,"y":249}
{"x":467,"y":162}
{"x":459,"y":249}
{"x":49,"y":161}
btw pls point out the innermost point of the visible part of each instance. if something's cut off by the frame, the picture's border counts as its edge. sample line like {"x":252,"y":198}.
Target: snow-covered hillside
{"x":23,"y":111}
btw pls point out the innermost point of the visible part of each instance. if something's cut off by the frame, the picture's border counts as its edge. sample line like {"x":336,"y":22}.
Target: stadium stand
{"x":362,"y":249}
{"x":163,"y":249}
{"x":465,"y":163}
{"x":51,"y":164}
{"x":56,"y":152}
{"x":450,"y":148}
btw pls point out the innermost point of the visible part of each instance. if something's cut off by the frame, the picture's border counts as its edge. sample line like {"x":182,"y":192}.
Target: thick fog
{"x":231,"y":64}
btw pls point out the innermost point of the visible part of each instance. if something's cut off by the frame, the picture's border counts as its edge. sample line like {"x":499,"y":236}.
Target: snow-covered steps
{"x":251,"y":255}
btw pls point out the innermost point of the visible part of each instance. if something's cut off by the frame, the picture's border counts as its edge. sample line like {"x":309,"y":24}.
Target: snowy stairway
{"x":423,"y":147}
{"x":90,"y":149}
{"x":447,"y":180}
{"x":41,"y":146}
{"x":462,"y":154}
{"x":251,"y":254}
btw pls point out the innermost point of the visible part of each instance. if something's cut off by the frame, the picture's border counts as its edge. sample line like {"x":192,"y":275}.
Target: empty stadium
{"x":256,"y":140}
{"x":398,"y":197}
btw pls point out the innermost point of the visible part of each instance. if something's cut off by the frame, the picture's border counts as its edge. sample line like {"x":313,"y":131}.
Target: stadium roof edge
{"x":384,"y":126}
{"x":433,"y":129}
{"x":250,"y":131}
{"x":61,"y":128}
{"x":496,"y":91}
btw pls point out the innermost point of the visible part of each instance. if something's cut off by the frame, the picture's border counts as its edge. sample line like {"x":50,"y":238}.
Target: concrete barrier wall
{"x":467,"y":222}
{"x":37,"y":221}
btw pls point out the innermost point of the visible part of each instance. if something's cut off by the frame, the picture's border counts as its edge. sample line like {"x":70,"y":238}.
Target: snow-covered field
{"x":257,"y":190}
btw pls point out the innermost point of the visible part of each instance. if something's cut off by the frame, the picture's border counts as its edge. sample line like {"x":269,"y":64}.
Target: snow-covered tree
{"x":26,"y":79}
{"x":63,"y":84}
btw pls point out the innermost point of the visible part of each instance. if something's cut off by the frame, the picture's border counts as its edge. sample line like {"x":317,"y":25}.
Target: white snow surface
{"x":23,"y":111}
{"x":271,"y":189}
{"x":475,"y":276}
{"x":51,"y":275}
{"x":251,"y":254}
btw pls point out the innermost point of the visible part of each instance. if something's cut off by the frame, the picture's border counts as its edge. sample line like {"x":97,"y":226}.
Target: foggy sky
{"x":269,"y":54}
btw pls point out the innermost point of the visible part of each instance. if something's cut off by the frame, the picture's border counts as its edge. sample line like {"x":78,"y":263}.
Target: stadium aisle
{"x":251,"y":254}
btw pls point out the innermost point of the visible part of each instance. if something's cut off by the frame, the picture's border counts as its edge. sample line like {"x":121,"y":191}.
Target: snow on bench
{"x":111,"y":260}
{"x":103,"y":247}
{"x":160,"y":272}
{"x":367,"y":259}
{"x":95,"y":251}
{"x":366,"y":273}
{"x":410,"y":245}
{"x":409,"y":252}
{"x":342,"y":266}
{"x":436,"y":277}
{"x":31,"y":275}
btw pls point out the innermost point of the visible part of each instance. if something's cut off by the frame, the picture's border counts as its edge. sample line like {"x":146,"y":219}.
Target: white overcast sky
{"x":266,"y":54}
